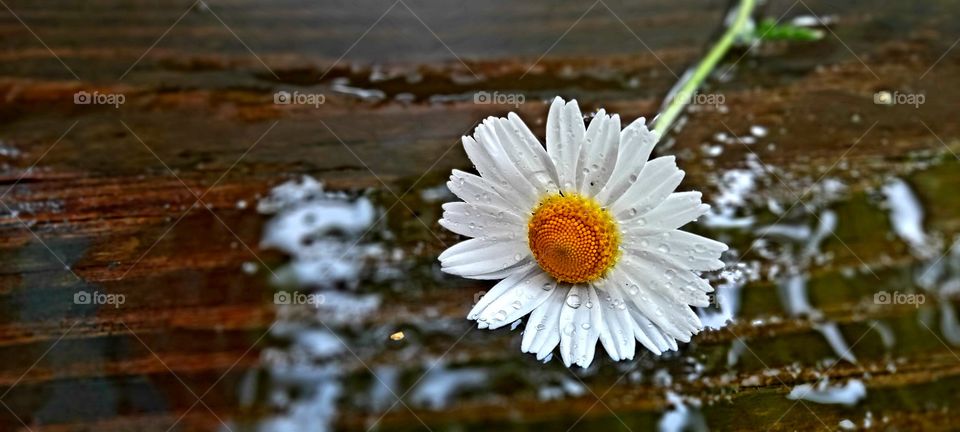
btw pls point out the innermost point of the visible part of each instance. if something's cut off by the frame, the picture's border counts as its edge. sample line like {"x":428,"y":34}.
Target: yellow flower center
{"x":573,"y":238}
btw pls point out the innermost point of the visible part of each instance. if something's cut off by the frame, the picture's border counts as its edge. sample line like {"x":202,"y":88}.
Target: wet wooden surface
{"x":143,"y":200}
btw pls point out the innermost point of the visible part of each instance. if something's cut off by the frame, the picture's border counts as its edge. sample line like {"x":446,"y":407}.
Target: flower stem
{"x":684,"y":90}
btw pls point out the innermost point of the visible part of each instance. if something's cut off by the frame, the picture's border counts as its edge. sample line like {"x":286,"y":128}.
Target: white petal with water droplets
{"x":636,"y":144}
{"x":478,"y":190}
{"x":542,"y":333}
{"x":647,"y":330}
{"x":599,"y":154}
{"x":673,"y":317}
{"x":526,"y":152}
{"x":479,"y":256}
{"x":523,"y":272}
{"x":579,"y":326}
{"x":565,"y":135}
{"x":528,"y":293}
{"x":481,"y":220}
{"x":510,"y":177}
{"x":617,"y":331}
{"x":677,"y":284}
{"x":677,"y":210}
{"x":683,"y":250}
{"x":659,"y":178}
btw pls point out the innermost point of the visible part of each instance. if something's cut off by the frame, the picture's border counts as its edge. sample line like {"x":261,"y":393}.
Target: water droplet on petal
{"x":573,"y":300}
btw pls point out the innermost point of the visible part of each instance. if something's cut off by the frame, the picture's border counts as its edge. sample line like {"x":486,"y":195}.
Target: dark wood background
{"x":103,"y":198}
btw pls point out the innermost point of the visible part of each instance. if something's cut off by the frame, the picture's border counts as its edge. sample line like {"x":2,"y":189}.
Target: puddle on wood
{"x":794,"y":305}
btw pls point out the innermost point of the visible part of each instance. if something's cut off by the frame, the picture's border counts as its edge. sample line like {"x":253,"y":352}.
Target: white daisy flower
{"x":583,"y":233}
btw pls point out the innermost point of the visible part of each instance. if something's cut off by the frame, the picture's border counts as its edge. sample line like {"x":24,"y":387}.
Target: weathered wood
{"x":104,"y":203}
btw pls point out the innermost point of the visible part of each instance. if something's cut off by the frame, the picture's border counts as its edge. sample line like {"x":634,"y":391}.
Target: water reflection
{"x":314,"y":369}
{"x":938,"y":273}
{"x":303,"y":369}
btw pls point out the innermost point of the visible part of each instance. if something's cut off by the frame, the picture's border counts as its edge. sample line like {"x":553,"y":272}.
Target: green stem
{"x":689,"y":86}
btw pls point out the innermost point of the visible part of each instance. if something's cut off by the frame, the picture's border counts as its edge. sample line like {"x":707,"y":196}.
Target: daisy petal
{"x":507,"y":175}
{"x":677,"y":210}
{"x":481,"y":220}
{"x":565,"y":133}
{"x":526,"y":152}
{"x":685,"y":250}
{"x":503,"y":287}
{"x":498,"y":274}
{"x":579,"y":326}
{"x":616,"y":331}
{"x":479,"y":256}
{"x":599,"y":154}
{"x":636,"y":144}
{"x":659,"y":178}
{"x":478,"y":190}
{"x":649,"y":331}
{"x":528,"y":294}
{"x":673,"y":317}
{"x":640,"y":327}
{"x":673,"y":283}
{"x":542,"y":333}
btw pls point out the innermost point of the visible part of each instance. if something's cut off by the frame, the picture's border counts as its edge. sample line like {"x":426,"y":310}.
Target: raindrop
{"x":573,"y":300}
{"x":663,"y":248}
{"x":670,"y":274}
{"x":633,"y":178}
{"x":586,"y":326}
{"x":547,"y":286}
{"x":540,"y":327}
{"x":516,"y":304}
{"x":633,"y":212}
{"x":500,"y":316}
{"x":568,"y":329}
{"x":517,"y":257}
